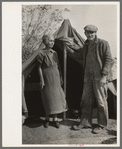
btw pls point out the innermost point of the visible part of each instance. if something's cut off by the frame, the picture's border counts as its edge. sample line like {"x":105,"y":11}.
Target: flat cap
{"x":91,"y":28}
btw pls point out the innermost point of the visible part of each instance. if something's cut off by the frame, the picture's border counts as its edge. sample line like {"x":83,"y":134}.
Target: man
{"x":97,"y":62}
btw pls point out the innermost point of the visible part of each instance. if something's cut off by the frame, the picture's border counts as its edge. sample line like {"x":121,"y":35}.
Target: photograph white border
{"x":12,"y":68}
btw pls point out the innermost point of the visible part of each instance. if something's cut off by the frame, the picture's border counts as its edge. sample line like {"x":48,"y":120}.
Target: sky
{"x":102,"y":16}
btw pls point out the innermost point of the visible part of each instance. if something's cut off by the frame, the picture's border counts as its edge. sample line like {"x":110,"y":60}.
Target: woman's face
{"x":49,"y":42}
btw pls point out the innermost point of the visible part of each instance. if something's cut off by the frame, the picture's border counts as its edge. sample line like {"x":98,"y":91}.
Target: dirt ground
{"x":33,"y":132}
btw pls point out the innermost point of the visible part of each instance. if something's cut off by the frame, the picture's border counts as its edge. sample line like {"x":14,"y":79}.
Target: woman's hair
{"x":45,"y":38}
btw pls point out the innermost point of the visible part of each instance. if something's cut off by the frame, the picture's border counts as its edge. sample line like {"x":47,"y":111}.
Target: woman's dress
{"x":52,"y":94}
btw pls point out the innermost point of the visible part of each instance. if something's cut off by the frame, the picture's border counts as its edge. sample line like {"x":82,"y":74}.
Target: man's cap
{"x":91,"y":28}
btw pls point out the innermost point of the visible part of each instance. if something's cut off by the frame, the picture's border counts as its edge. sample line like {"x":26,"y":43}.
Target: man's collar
{"x":95,"y":41}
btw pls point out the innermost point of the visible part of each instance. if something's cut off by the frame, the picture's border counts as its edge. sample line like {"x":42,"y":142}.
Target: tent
{"x":72,"y":71}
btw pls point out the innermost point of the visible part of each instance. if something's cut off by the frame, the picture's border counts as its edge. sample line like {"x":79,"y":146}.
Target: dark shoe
{"x":56,"y":124}
{"x":97,"y":130}
{"x":78,"y":127}
{"x":46,"y":124}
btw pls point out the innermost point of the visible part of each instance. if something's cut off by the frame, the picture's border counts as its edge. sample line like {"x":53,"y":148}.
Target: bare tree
{"x":38,"y":20}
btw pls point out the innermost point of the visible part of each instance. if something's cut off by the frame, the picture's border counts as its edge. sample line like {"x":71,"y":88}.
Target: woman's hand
{"x":61,"y":79}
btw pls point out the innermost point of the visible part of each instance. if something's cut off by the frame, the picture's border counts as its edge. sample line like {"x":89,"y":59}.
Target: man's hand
{"x":103,"y":80}
{"x":42,"y":84}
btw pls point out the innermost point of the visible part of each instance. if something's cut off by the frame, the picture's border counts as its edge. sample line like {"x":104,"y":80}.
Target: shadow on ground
{"x":110,"y":141}
{"x":69,"y":122}
{"x":33,"y":123}
{"x":37,"y":122}
{"x":111,"y":132}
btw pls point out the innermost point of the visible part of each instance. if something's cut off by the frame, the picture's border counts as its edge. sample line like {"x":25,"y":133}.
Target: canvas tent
{"x":72,"y":71}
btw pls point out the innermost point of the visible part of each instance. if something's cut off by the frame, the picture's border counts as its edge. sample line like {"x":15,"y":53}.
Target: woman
{"x":50,"y":79}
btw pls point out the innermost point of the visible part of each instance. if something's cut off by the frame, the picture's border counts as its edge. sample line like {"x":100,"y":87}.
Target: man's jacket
{"x":102,"y":53}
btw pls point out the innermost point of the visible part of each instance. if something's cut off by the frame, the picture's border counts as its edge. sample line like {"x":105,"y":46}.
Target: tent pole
{"x":65,"y":67}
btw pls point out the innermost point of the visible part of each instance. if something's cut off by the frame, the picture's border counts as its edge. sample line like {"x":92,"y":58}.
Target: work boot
{"x":78,"y":127}
{"x":56,"y":124}
{"x":46,"y":123}
{"x":97,"y":130}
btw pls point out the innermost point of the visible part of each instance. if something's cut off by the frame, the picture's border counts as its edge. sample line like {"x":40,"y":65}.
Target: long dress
{"x":53,"y":97}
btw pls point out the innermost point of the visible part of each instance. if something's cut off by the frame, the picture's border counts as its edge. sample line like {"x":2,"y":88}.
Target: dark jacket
{"x":103,"y":55}
{"x":102,"y":52}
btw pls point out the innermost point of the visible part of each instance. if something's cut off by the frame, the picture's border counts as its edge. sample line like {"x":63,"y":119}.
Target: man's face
{"x":90,"y":35}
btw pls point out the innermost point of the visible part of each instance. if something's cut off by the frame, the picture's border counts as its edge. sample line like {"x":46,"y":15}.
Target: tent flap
{"x":66,"y":34}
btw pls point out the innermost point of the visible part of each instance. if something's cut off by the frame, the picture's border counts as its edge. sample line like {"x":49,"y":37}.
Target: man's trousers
{"x":92,"y":92}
